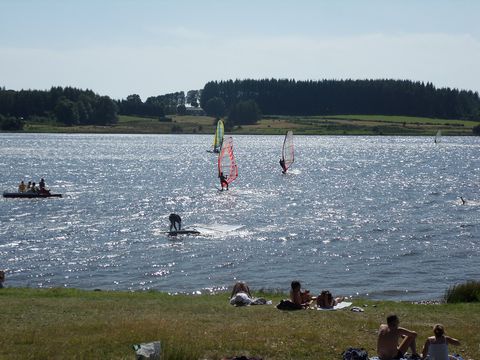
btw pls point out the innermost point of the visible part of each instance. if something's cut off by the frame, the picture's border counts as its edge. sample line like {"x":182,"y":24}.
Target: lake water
{"x":372,"y":216}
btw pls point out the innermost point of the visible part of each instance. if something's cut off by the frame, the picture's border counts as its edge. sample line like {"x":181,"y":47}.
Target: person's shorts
{"x":398,"y":356}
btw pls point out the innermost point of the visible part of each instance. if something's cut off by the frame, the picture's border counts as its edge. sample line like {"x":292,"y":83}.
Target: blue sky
{"x":118,"y":48}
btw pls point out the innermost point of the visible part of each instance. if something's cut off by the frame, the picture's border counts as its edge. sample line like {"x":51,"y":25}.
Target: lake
{"x":378,"y":217}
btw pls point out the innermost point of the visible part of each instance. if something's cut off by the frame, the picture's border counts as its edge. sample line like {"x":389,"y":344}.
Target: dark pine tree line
{"x":343,"y":97}
{"x":70,"y":106}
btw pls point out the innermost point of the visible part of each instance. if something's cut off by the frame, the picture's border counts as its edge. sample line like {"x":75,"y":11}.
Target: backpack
{"x":355,"y":354}
{"x":288,"y":305}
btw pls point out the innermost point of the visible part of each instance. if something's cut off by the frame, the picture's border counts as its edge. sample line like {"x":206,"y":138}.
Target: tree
{"x":215,"y":107}
{"x":105,"y":111}
{"x":66,"y":112}
{"x":192,"y":97}
{"x":244,"y":113}
{"x":181,"y":110}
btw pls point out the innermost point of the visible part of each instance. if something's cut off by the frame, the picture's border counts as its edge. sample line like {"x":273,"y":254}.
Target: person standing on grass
{"x":388,"y":336}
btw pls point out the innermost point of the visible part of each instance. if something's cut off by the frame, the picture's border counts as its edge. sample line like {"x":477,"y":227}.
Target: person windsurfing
{"x":223,"y":181}
{"x":174,"y":220}
{"x":282,"y":164}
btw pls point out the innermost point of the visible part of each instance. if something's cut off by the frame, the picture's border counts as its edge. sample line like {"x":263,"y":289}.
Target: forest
{"x":344,"y":97}
{"x":68,"y":105}
{"x":243,"y":102}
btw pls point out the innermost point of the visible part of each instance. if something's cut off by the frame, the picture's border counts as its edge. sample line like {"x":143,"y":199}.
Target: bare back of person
{"x":387,"y":342}
{"x":388,"y":338}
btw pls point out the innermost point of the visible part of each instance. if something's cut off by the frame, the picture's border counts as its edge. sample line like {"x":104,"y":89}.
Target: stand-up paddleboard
{"x":182,"y":232}
{"x":287,"y":152}
{"x":227,"y":166}
{"x":217,"y":138}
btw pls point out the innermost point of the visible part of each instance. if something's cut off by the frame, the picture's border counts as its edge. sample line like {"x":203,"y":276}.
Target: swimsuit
{"x":438,"y":351}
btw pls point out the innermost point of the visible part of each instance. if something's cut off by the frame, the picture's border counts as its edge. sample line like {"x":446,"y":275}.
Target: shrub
{"x":176,"y":129}
{"x":476,"y":130}
{"x":466,"y":292}
{"x":10,"y":124}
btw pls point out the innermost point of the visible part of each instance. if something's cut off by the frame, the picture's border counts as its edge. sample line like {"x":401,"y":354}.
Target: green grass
{"x":75,"y":324}
{"x":274,"y":125}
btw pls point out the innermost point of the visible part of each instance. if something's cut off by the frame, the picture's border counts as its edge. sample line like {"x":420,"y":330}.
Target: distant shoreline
{"x":271,"y":125}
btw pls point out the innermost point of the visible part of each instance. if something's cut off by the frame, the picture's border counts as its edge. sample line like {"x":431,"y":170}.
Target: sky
{"x":146,"y":47}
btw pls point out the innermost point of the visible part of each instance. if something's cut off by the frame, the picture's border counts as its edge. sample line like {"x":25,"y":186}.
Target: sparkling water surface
{"x":378,"y":217}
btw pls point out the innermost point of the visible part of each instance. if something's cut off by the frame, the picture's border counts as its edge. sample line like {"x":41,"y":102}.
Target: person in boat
{"x":223,"y":181}
{"x":388,"y":336}
{"x":43,"y":190}
{"x":22,"y":187}
{"x":33,"y":188}
{"x":282,"y":164}
{"x":174,"y":220}
{"x":29,"y":186}
{"x":436,"y":347}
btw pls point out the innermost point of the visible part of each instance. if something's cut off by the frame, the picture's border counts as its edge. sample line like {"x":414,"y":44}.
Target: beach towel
{"x":340,"y":305}
{"x":148,"y":351}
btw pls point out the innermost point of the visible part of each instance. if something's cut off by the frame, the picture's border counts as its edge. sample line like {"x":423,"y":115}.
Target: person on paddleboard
{"x":174,"y":220}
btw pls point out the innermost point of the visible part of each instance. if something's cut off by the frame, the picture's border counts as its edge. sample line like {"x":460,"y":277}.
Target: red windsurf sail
{"x":227,"y":165}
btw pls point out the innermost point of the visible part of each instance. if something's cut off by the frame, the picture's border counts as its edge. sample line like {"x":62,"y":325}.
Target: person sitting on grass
{"x":436,"y":347}
{"x":241,"y":296}
{"x":388,"y":336}
{"x":326,"y":300}
{"x":299,"y":297}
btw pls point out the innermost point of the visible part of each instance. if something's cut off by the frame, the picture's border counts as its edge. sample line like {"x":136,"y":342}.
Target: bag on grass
{"x":355,"y":354}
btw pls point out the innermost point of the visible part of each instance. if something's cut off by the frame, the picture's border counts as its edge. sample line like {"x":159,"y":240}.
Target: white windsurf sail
{"x":288,"y":156}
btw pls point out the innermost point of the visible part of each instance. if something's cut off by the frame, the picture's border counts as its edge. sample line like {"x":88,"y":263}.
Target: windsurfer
{"x":174,"y":220}
{"x":223,"y":181}
{"x":282,"y":164}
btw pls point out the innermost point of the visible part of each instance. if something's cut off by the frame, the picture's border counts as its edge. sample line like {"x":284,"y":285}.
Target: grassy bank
{"x":311,"y":125}
{"x":75,"y":324}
